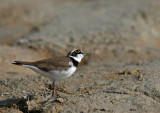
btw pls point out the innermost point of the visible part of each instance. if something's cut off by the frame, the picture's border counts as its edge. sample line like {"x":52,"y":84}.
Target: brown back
{"x":56,"y":63}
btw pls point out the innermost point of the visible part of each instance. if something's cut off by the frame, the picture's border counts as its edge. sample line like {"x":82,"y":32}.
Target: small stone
{"x":31,"y":105}
{"x":102,"y":109}
{"x":135,"y":72}
{"x":132,"y":109}
{"x":113,"y":101}
{"x":61,"y":100}
{"x":121,"y":73}
{"x":25,"y":97}
{"x":140,"y":77}
{"x":23,"y":91}
{"x":6,"y":93}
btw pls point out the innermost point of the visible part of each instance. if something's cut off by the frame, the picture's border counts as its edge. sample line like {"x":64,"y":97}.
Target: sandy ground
{"x":120,"y":75}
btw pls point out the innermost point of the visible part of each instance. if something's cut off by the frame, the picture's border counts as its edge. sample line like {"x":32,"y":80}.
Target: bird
{"x":55,"y":68}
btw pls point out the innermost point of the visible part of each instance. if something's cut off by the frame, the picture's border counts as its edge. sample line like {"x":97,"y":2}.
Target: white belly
{"x":54,"y":75}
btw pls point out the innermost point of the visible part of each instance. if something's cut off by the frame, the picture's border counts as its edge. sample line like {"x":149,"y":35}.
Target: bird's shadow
{"x":21,"y":104}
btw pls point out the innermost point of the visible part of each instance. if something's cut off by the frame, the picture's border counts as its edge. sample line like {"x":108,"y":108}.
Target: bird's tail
{"x":20,"y":63}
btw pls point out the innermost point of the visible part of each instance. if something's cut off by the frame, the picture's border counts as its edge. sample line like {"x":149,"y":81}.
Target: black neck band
{"x":75,"y":63}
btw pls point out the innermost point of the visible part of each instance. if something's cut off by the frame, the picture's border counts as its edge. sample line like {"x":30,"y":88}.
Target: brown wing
{"x":57,"y":63}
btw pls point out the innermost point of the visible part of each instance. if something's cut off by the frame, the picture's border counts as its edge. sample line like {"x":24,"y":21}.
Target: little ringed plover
{"x":56,"y":68}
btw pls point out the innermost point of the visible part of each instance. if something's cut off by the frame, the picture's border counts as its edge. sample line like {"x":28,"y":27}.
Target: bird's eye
{"x":77,"y":51}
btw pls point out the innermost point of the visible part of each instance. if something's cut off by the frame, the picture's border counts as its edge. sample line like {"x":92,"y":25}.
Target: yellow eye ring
{"x":77,"y":51}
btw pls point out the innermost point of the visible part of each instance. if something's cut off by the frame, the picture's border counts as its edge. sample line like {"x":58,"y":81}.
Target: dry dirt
{"x":120,"y":75}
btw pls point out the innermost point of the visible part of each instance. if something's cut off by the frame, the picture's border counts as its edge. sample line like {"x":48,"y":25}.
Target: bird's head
{"x":76,"y":54}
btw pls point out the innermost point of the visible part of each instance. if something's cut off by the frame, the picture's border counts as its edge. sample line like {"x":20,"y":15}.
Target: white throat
{"x":77,"y":58}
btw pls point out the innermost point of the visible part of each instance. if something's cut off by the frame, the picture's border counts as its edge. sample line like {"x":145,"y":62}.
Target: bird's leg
{"x":54,"y":92}
{"x":53,"y":88}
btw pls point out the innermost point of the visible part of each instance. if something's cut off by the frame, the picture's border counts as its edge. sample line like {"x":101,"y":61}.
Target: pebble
{"x":23,"y":91}
{"x":2,"y":94}
{"x":6,"y":93}
{"x":140,"y":77}
{"x":61,"y":100}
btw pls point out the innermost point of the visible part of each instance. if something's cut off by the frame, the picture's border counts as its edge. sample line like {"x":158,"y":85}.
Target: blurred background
{"x":121,"y":37}
{"x":108,"y":30}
